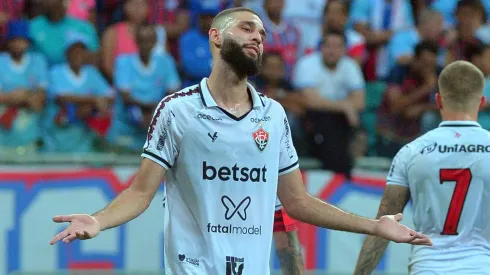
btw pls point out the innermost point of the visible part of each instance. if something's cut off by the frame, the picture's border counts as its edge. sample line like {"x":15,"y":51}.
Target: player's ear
{"x":215,"y":37}
{"x":438,"y":101}
{"x":483,"y":99}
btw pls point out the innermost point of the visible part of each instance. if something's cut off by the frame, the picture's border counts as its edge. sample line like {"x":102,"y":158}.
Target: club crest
{"x":261,"y":138}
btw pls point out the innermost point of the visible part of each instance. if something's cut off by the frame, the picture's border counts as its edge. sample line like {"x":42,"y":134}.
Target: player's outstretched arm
{"x":303,"y":207}
{"x":394,"y":200}
{"x":288,"y":251}
{"x":127,"y":206}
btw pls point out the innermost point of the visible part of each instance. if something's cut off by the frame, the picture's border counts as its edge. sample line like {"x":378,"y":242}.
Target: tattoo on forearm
{"x":290,"y":257}
{"x":373,"y":248}
{"x":371,"y":253}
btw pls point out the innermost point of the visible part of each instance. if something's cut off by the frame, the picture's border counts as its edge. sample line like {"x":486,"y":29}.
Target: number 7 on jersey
{"x":462,"y":177}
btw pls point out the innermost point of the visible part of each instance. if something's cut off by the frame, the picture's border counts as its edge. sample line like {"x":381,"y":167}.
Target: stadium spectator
{"x":282,"y":36}
{"x":448,"y":9}
{"x":402,"y":44}
{"x":333,"y":87}
{"x":9,"y":10}
{"x":307,"y":16}
{"x":194,"y":50}
{"x":480,"y":57}
{"x":83,"y":10}
{"x":23,"y":80}
{"x":142,"y":80}
{"x":32,"y":8}
{"x":77,"y":95}
{"x":174,"y":16}
{"x":470,"y":17}
{"x":273,"y":83}
{"x":119,"y":39}
{"x":196,"y":6}
{"x":410,"y":93}
{"x":336,"y":15}
{"x":377,"y":21}
{"x":52,"y":31}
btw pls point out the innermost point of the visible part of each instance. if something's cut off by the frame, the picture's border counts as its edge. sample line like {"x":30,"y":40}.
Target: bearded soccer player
{"x":226,"y":152}
{"x":445,"y":173}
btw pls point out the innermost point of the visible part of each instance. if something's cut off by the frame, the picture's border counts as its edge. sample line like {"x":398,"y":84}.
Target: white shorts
{"x":463,"y":267}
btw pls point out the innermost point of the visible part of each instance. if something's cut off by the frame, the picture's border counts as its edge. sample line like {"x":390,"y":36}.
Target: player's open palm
{"x":388,"y":227}
{"x":81,"y":227}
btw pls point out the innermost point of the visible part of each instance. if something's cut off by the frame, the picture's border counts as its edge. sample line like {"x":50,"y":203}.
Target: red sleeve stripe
{"x":162,"y":105}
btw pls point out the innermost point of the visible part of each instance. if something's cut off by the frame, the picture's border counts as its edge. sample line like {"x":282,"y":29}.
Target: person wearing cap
{"x":77,"y":92}
{"x":23,"y":80}
{"x":51,"y":32}
{"x":142,"y":80}
{"x":194,"y":50}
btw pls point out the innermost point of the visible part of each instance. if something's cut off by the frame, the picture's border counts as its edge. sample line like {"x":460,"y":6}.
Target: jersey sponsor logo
{"x":184,"y":259}
{"x":261,"y":138}
{"x":259,"y":120}
{"x":232,"y":209}
{"x":234,"y":173}
{"x":464,"y":148}
{"x":429,"y":148}
{"x":234,"y":265}
{"x":164,"y":135}
{"x":208,"y":117}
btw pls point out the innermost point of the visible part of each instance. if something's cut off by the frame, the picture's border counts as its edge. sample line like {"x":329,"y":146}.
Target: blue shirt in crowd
{"x":30,"y":74}
{"x":145,"y":84}
{"x":196,"y":57}
{"x":76,"y":136}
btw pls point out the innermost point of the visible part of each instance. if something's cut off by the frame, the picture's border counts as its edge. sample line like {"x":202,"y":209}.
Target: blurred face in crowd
{"x":205,"y":21}
{"x":274,"y":8}
{"x":433,"y":27}
{"x":33,"y":8}
{"x":136,"y":11}
{"x":146,"y":39}
{"x":17,"y":47}
{"x":333,"y":48}
{"x":427,"y":61}
{"x":485,"y":61}
{"x":335,"y":16}
{"x":55,"y":9}
{"x":76,"y":55}
{"x":469,"y":18}
{"x":273,"y":69}
{"x":242,"y":43}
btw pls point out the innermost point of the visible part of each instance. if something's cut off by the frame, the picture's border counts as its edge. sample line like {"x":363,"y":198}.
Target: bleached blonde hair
{"x":461,"y":86}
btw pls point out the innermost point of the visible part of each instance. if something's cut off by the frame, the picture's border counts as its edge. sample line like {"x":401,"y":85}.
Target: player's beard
{"x":233,"y":54}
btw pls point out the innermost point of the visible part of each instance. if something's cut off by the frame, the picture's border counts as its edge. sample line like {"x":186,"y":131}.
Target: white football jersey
{"x":222,"y":175}
{"x":448,"y":173}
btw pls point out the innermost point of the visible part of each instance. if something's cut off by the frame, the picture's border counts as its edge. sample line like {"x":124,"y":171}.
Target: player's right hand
{"x":81,"y":227}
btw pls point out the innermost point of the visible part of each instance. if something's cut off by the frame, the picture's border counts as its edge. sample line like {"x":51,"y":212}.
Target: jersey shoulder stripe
{"x":185,"y":93}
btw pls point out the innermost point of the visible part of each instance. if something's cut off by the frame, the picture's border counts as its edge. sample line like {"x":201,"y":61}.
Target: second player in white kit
{"x":446,"y":173}
{"x":226,"y":152}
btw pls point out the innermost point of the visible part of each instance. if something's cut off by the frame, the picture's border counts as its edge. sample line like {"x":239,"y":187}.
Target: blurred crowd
{"x":356,"y":77}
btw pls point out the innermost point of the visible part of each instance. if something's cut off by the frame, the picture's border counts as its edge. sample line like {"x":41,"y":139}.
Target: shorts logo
{"x":232,"y":209}
{"x":261,"y":138}
{"x":234,"y":265}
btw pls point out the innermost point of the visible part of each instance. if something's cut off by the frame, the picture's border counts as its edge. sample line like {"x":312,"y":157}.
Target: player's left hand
{"x":388,"y":227}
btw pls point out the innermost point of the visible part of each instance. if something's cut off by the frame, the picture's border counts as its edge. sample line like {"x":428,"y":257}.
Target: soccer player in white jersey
{"x":445,"y":173}
{"x":226,"y":152}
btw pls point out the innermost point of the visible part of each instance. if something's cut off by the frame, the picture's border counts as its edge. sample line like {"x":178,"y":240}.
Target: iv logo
{"x":234,"y":265}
